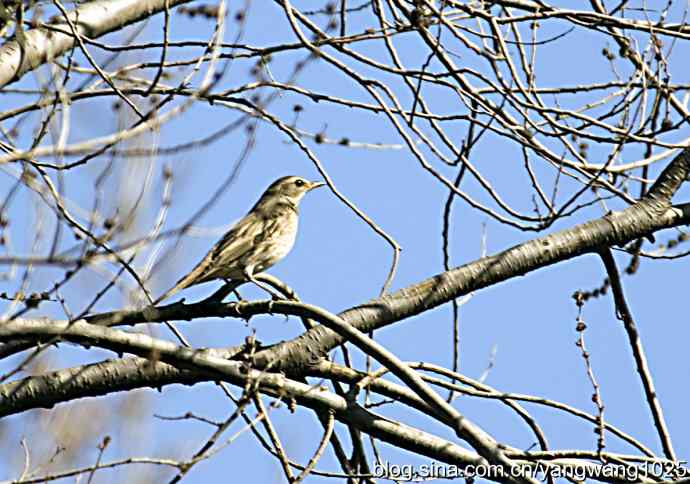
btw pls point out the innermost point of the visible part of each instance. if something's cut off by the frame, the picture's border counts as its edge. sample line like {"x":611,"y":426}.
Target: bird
{"x":264,"y":236}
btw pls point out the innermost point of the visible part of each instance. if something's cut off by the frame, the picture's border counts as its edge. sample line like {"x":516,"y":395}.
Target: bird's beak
{"x":313,"y":185}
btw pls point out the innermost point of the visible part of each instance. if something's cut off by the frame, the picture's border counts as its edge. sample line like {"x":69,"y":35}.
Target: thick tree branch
{"x":92,"y":380}
{"x":218,"y":367}
{"x":649,"y":215}
{"x":207,"y":365}
{"x":94,"y":19}
{"x":143,"y":345}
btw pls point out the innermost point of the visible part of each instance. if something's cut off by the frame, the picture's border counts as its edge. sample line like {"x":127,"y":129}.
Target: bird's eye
{"x":299,"y":182}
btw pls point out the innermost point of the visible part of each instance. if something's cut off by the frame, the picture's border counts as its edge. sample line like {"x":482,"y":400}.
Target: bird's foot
{"x":238,"y":306}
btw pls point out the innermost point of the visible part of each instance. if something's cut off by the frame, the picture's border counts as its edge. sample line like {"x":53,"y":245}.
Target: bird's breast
{"x":278,"y":241}
{"x":286,"y":235}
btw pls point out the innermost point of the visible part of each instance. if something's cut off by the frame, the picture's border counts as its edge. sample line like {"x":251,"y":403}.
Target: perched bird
{"x":260,"y":239}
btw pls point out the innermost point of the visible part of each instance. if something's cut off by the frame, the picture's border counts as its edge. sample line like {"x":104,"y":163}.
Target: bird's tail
{"x":188,"y":280}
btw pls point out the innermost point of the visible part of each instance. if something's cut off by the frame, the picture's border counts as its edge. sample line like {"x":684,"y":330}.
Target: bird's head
{"x":289,"y":189}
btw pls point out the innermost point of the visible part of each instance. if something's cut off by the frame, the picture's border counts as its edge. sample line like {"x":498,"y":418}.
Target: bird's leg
{"x":227,"y":288}
{"x":250,"y":277}
{"x":274,"y":295}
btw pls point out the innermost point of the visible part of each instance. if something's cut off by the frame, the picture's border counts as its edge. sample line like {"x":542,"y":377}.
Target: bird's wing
{"x":233,"y":245}
{"x":236,"y":243}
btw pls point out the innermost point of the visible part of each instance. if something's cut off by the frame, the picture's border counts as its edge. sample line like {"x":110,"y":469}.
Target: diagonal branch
{"x":220,"y":367}
{"x":624,"y":314}
{"x":143,"y":345}
{"x":651,"y":214}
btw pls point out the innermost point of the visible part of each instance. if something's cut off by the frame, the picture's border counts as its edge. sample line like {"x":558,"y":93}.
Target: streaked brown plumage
{"x":257,"y":241}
